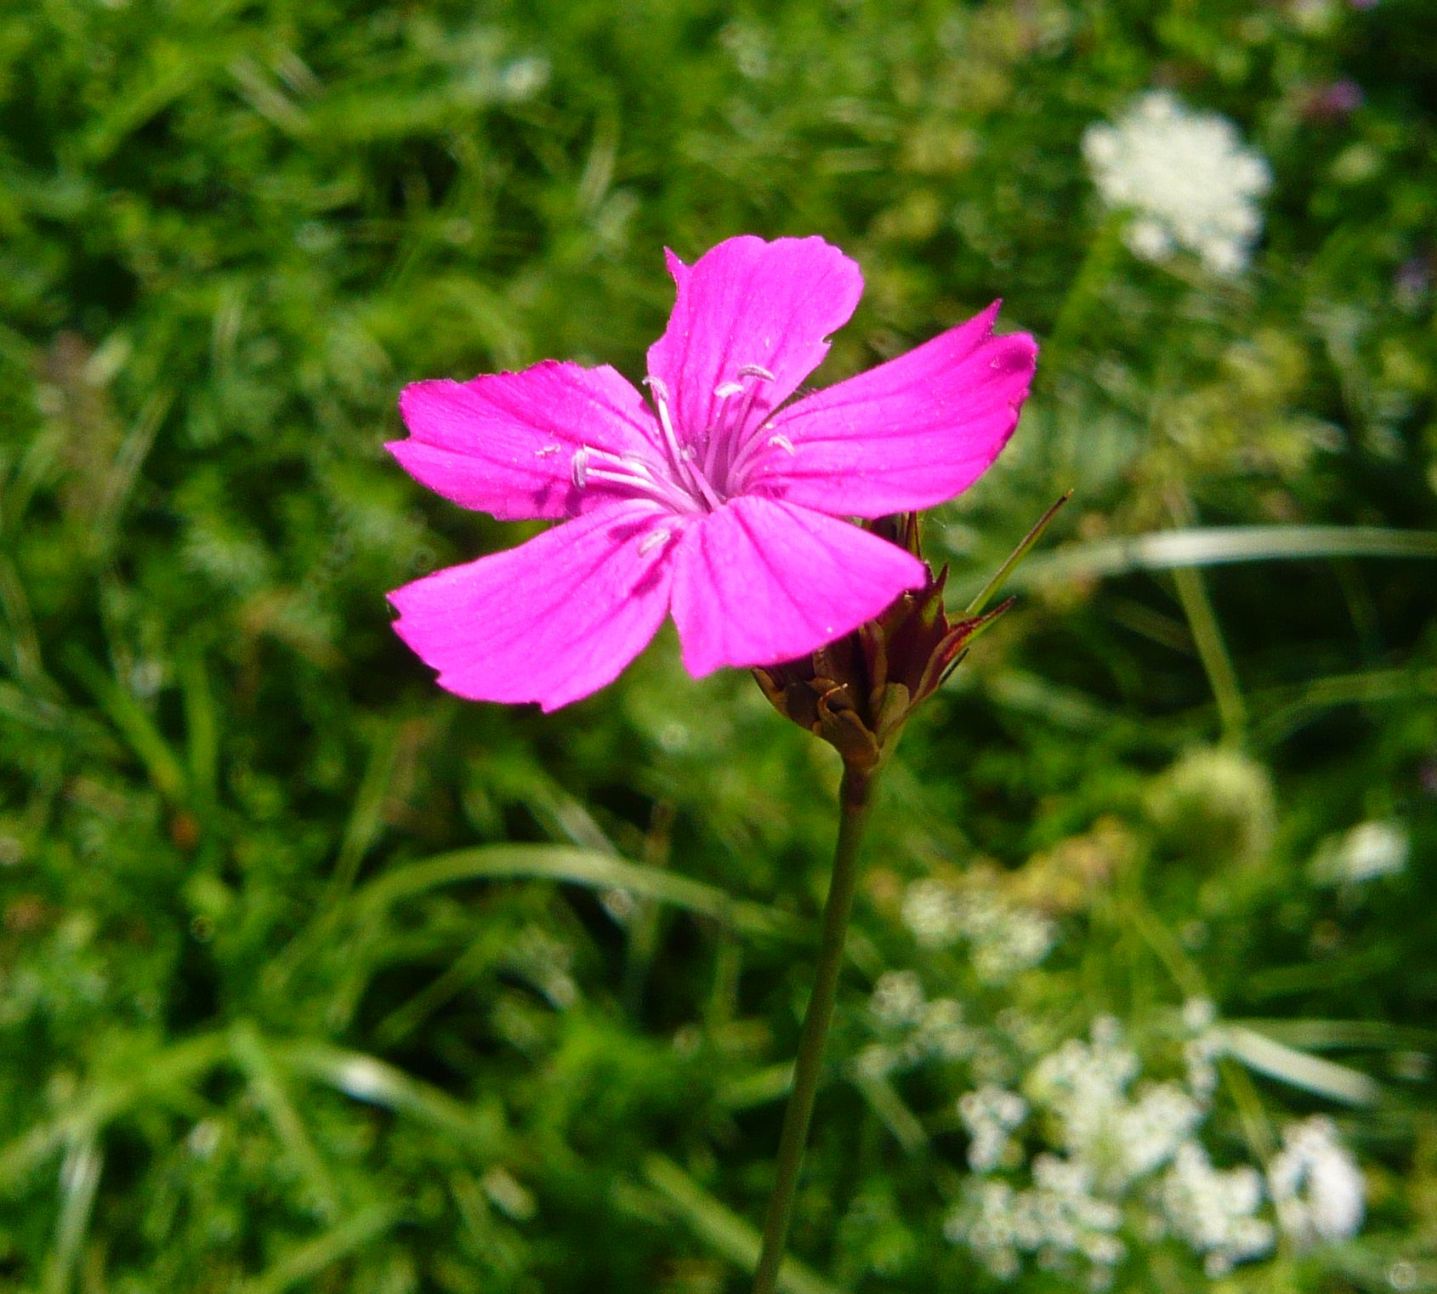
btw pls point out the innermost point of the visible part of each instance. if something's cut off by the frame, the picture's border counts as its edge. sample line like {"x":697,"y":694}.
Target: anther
{"x":579,"y":468}
{"x":652,"y":540}
{"x":782,"y":442}
{"x":727,"y":390}
{"x":756,"y":370}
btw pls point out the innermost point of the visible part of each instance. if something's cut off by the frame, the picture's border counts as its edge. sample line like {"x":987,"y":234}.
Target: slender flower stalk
{"x":857,"y":693}
{"x":854,"y":798}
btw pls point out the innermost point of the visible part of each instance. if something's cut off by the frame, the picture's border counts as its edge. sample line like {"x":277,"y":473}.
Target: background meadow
{"x":314,"y":978}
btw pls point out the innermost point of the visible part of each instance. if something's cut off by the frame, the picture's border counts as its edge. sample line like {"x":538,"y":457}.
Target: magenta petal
{"x":504,"y":443}
{"x":760,"y":581}
{"x":750,"y":302}
{"x":552,"y":620}
{"x":909,"y":434}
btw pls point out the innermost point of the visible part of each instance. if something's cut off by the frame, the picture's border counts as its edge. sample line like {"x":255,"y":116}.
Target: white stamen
{"x":680,"y":455}
{"x":632,"y":475}
{"x":652,"y":540}
{"x":666,"y":423}
{"x":722,"y":451}
{"x":640,"y":482}
{"x":782,"y":442}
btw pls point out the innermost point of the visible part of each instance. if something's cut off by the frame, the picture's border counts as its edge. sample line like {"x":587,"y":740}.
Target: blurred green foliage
{"x":312,"y":977}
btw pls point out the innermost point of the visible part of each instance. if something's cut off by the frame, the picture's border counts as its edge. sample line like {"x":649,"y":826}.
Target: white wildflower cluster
{"x":912,"y":1027}
{"x":1123,"y":1161}
{"x":1187,"y":177}
{"x":1369,"y":850}
{"x":1003,"y":938}
{"x":1123,"y":1135}
{"x":1215,"y":1210}
{"x":1057,"y":1221}
{"x":1316,"y":1184}
{"x":932,"y":913}
{"x":897,"y":999}
{"x":990,"y":1114}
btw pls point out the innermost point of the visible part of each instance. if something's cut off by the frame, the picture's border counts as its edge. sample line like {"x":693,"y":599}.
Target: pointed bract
{"x":857,"y":692}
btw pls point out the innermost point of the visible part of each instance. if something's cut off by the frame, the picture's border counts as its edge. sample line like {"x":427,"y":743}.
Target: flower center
{"x":694,"y":473}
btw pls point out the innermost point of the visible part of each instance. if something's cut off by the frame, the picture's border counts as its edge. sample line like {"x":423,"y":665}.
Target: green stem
{"x":1207,"y":634}
{"x":854,"y":798}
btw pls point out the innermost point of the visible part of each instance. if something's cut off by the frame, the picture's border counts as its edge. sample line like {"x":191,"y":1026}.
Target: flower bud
{"x":857,"y":692}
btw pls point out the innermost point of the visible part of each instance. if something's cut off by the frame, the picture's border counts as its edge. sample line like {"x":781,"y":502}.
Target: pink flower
{"x":714,"y":500}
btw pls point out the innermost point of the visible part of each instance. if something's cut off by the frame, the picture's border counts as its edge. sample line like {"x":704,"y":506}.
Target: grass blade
{"x":252,"y":1056}
{"x":307,"y":1260}
{"x":166,"y":770}
{"x":578,"y":867}
{"x":1221,"y":545}
{"x":1298,"y":1068}
{"x":366,"y":1078}
{"x":79,"y":1178}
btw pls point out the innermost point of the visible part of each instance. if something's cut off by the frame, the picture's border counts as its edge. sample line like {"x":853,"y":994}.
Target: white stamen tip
{"x":755,"y":370}
{"x":726,"y":390}
{"x":579,"y":468}
{"x":782,"y":442}
{"x":658,"y":387}
{"x":652,"y":540}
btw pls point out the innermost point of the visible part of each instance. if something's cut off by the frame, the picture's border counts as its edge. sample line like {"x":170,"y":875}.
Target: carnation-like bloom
{"x":712,"y":499}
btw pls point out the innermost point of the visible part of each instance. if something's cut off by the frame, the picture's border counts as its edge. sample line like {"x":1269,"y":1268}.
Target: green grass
{"x":314,"y":978}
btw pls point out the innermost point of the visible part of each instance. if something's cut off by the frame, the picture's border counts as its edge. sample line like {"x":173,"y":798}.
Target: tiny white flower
{"x":1199,"y":1014}
{"x":1369,"y":850}
{"x":1148,"y":238}
{"x":1149,"y":1131}
{"x":990,"y":1113}
{"x":897,"y":999}
{"x":1316,"y":1184}
{"x":942,"y":1031}
{"x":875,"y":1061}
{"x":931,"y":912}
